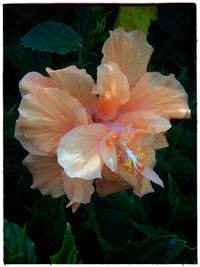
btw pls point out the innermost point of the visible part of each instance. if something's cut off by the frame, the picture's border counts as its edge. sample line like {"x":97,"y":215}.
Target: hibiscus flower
{"x":75,"y":138}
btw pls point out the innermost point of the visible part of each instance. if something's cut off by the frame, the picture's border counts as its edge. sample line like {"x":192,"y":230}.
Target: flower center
{"x":131,"y":157}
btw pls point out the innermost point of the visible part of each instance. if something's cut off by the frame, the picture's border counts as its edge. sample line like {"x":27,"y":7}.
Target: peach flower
{"x":75,"y":138}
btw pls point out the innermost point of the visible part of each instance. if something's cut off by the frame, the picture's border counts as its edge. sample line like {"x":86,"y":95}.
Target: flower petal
{"x":152,"y":176}
{"x":19,"y":135}
{"x":108,"y":150}
{"x":46,"y":174}
{"x":122,"y":176}
{"x":77,"y":189}
{"x":145,"y":142}
{"x":150,"y":155}
{"x":143,"y":120}
{"x":122,"y":181}
{"x":82,"y":117}
{"x":142,"y":139}
{"x":144,"y":188}
{"x":33,"y":81}
{"x":46,"y":115}
{"x":130,"y":51}
{"x":78,"y":83}
{"x":105,"y":187}
{"x":79,"y":151}
{"x":160,"y":141}
{"x":156,"y":141}
{"x":163,"y":95}
{"x":113,"y":87}
{"x":74,"y":205}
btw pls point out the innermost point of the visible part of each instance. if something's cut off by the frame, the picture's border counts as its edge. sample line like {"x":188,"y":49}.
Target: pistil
{"x":131,"y":157}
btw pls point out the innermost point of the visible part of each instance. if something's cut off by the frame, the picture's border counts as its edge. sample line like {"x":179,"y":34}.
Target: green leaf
{"x":149,"y":230}
{"x":182,"y":203}
{"x":18,"y":248}
{"x":9,"y":122}
{"x":186,"y":205}
{"x":173,"y":192}
{"x":176,"y":162}
{"x":25,"y":60}
{"x":68,"y":253}
{"x":182,"y":165}
{"x":185,"y":139}
{"x":90,"y":223}
{"x":136,"y":17}
{"x":52,"y":36}
{"x":114,"y":212}
{"x":154,"y":250}
{"x":48,"y":218}
{"x":130,"y":204}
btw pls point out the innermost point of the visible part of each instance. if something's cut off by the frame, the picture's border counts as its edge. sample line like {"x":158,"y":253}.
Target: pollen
{"x":131,"y":157}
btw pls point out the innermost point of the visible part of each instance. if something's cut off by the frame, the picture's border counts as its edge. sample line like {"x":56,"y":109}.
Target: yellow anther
{"x":139,"y":149}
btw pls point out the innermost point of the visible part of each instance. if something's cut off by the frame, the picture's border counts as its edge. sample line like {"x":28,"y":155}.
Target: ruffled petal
{"x":105,"y":187}
{"x":33,"y":81}
{"x":163,"y":95}
{"x":123,"y":180}
{"x":79,"y":151}
{"x":78,"y":190}
{"x":130,"y":51}
{"x":145,"y":121}
{"x":46,"y":115}
{"x":19,"y":135}
{"x":113,"y":87}
{"x":78,"y":83}
{"x":139,"y":182}
{"x":46,"y":174}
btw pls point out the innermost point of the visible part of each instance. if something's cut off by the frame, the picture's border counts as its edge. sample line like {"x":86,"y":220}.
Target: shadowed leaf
{"x":52,"y":36}
{"x":149,"y":230}
{"x":154,"y":250}
{"x":18,"y":248}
